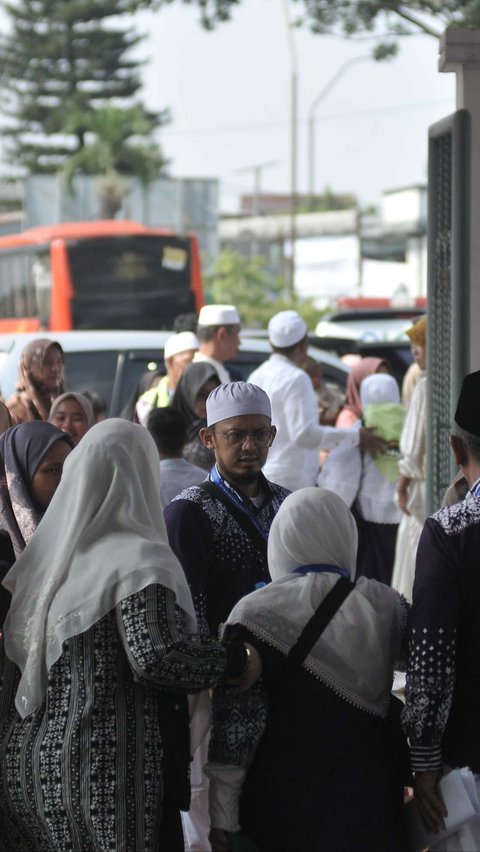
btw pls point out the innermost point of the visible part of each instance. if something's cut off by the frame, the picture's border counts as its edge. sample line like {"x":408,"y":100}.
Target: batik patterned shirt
{"x":221,"y":561}
{"x":443,"y":677}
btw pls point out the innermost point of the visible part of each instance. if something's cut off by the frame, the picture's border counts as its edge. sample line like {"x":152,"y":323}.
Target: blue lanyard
{"x":235,"y":497}
{"x":322,"y":569}
{"x":475,"y":489}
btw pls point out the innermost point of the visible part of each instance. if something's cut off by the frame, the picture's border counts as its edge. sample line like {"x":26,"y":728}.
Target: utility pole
{"x":293,"y":150}
{"x":257,"y":170}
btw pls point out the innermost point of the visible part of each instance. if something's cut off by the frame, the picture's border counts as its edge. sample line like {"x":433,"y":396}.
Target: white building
{"x":341,"y":254}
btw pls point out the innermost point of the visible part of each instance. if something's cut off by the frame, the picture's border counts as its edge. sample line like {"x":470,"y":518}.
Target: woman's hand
{"x":371,"y":442}
{"x":219,"y":840}
{"x":432,"y":809}
{"x":250,"y":674}
{"x":402,"y":493}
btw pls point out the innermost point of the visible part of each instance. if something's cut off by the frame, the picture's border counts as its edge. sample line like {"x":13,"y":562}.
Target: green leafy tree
{"x":388,"y":18}
{"x":257,"y":292}
{"x":59,"y":66}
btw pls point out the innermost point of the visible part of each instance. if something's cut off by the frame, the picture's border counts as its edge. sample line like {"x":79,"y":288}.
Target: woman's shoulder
{"x":19,"y":408}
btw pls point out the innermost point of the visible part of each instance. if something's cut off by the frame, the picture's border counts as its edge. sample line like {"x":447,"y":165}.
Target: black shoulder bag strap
{"x":241,"y":518}
{"x":318,"y":622}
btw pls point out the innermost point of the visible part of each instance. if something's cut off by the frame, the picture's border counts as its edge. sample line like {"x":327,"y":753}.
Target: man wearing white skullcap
{"x":219,"y":529}
{"x":178,"y":353}
{"x":219,"y":335}
{"x":294,"y":459}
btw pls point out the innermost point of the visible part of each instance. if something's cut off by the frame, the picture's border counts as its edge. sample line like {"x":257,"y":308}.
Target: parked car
{"x":369,"y":325}
{"x":112,"y":362}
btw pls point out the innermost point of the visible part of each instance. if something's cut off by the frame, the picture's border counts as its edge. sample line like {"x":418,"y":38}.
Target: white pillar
{"x":460,"y":52}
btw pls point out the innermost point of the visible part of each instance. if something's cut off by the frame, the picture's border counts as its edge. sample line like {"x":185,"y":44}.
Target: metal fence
{"x":447,"y":291}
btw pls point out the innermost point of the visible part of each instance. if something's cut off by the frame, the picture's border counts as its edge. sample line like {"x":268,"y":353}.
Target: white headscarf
{"x":356,"y":652}
{"x":102,"y":539}
{"x":379,"y":388}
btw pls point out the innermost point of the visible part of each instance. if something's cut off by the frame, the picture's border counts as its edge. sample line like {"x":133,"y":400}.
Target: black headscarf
{"x":191,"y":382}
{"x":22,"y":448}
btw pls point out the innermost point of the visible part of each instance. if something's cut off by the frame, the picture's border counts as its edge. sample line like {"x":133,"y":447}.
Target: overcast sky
{"x":229,"y":91}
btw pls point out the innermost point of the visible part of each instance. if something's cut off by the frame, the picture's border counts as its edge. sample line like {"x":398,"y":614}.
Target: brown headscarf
{"x":5,"y":418}
{"x":365,"y":367}
{"x":32,"y":396}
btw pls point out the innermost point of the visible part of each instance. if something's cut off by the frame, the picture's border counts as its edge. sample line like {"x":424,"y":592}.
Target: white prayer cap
{"x":286,"y":329}
{"x":379,"y":388}
{"x":235,"y":398}
{"x":218,"y":315}
{"x":180,"y":342}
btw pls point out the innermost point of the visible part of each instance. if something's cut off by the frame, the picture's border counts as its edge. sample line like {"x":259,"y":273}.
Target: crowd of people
{"x":204,"y":603}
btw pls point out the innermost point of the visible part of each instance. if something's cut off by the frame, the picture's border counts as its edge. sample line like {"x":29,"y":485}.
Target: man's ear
{"x":206,"y":437}
{"x":459,"y":450}
{"x":274,"y":432}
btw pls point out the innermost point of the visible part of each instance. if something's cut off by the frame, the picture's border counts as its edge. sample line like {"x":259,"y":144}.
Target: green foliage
{"x":211,"y":11}
{"x":113,"y":144}
{"x":254,"y":289}
{"x":389,"y":19}
{"x":68,"y":83}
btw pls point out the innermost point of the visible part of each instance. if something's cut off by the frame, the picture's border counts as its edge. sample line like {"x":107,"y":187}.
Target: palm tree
{"x":118,"y":144}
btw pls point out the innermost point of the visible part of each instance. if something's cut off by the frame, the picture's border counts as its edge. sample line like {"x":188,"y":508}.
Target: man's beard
{"x":247,"y":477}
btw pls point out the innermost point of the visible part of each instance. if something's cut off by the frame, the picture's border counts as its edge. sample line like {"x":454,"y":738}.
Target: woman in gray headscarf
{"x":97,"y":754}
{"x":303,"y":761}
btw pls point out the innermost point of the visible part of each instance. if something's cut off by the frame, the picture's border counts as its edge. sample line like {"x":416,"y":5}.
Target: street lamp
{"x":311,"y":120}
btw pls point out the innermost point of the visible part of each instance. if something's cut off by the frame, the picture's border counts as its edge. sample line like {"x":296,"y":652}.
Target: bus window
{"x":42,"y":282}
{"x":130,"y":282}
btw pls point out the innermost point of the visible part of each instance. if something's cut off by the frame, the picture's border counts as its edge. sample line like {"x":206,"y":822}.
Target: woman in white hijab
{"x":96,"y":754}
{"x":310,"y":751}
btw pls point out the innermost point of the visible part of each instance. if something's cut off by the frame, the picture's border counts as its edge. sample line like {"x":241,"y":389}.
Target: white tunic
{"x":412,"y":465}
{"x":293,"y":458}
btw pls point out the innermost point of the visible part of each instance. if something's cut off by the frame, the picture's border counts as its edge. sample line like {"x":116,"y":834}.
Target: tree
{"x":59,"y":65}
{"x":254,"y":289}
{"x":115,"y":148}
{"x":388,"y":18}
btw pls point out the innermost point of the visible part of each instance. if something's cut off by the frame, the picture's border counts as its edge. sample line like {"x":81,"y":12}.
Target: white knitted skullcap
{"x":286,"y":329}
{"x":235,"y":398}
{"x":218,"y":315}
{"x":180,"y":342}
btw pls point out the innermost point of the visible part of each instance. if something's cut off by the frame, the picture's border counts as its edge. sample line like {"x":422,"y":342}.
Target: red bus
{"x":97,"y":275}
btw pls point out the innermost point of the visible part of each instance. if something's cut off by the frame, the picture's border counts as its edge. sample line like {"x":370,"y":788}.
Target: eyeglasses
{"x":237,"y":437}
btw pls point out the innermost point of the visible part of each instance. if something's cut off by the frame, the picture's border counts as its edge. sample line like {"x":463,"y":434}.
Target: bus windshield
{"x":130,"y":282}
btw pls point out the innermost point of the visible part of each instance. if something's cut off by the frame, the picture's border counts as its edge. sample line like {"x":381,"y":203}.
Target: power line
{"x":247,"y":127}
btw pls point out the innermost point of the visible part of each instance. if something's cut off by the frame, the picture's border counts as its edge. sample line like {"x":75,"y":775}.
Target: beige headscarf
{"x":102,"y":539}
{"x":83,"y":402}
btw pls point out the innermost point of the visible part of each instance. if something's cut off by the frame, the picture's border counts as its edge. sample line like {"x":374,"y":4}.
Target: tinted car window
{"x":114,"y":375}
{"x":91,"y":371}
